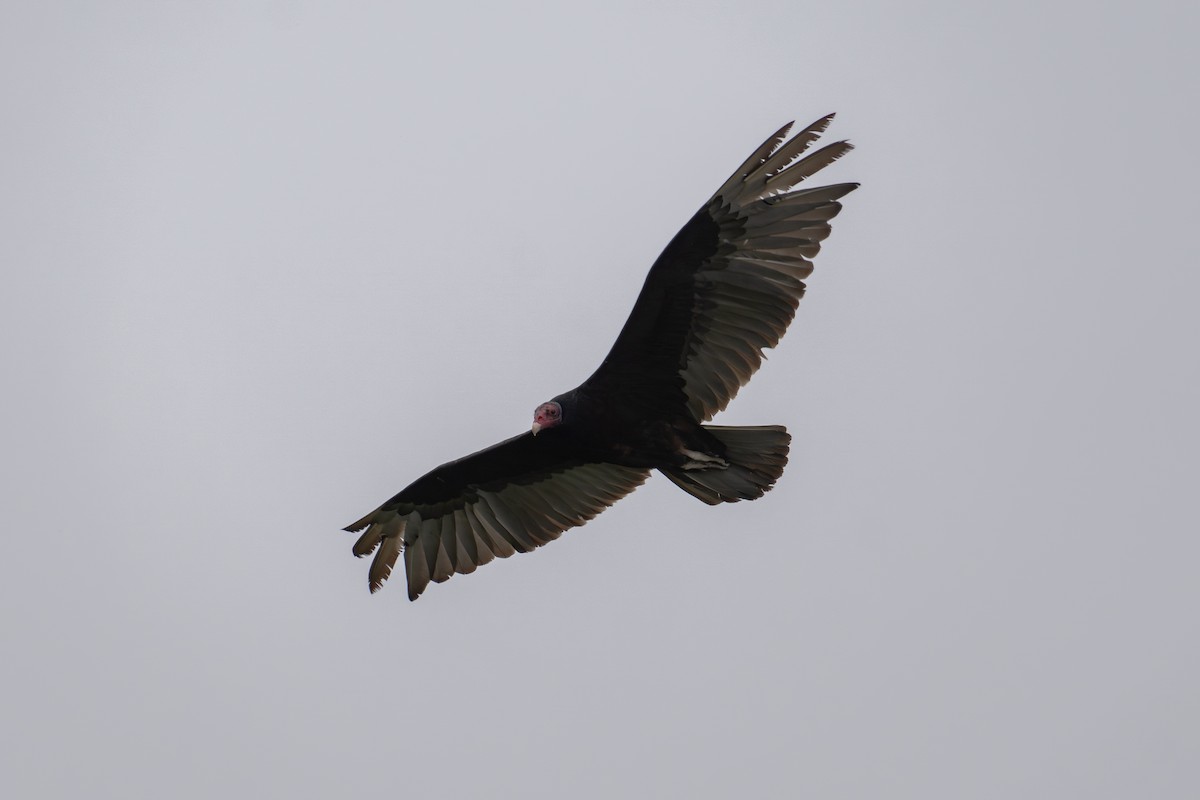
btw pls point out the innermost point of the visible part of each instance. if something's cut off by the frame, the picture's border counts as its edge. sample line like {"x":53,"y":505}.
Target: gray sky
{"x":267,"y":263}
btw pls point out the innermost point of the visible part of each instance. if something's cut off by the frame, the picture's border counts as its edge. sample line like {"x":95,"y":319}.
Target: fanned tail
{"x":756,"y":456}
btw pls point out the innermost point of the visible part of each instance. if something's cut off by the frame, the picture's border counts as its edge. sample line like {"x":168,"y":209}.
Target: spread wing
{"x":728,"y":284}
{"x":509,"y":498}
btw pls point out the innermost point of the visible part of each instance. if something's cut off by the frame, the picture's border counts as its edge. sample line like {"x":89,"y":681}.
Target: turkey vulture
{"x":724,"y":289}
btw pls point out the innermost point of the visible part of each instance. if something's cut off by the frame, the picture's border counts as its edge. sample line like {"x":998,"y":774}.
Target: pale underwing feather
{"x":767,"y":235}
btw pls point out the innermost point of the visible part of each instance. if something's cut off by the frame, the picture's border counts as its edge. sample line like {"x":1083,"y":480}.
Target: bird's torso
{"x":605,"y":428}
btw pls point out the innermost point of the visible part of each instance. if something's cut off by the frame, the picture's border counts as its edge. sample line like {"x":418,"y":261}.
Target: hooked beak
{"x":536,"y":427}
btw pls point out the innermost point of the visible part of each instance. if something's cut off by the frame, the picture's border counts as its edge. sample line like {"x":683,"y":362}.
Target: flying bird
{"x":723,"y":290}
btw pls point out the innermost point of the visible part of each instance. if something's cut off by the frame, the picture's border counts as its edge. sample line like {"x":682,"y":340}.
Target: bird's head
{"x":547,"y":415}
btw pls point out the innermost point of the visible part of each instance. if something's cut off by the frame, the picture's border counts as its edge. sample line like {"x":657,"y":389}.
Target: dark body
{"x":725,"y":288}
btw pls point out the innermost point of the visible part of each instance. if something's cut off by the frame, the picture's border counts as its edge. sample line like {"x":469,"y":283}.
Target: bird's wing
{"x":511,"y":497}
{"x":728,"y":284}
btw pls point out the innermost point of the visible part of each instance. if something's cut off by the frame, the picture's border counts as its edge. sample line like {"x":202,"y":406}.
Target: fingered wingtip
{"x":358,"y":525}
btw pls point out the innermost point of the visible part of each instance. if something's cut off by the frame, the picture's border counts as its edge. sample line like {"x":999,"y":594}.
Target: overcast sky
{"x":266,"y":263}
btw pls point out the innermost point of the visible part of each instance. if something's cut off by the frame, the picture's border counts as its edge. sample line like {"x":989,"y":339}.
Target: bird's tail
{"x":755,"y":459}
